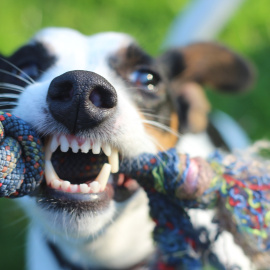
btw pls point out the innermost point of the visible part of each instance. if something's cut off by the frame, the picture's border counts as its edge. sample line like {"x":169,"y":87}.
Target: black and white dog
{"x":94,"y":100}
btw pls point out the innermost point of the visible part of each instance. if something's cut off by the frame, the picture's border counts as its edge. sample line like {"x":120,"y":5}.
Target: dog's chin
{"x":86,"y":208}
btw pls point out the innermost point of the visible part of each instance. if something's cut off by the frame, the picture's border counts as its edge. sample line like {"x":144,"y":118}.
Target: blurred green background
{"x":148,"y":21}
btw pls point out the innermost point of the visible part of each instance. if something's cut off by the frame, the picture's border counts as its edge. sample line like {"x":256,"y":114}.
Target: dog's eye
{"x":27,"y":70}
{"x":145,"y":78}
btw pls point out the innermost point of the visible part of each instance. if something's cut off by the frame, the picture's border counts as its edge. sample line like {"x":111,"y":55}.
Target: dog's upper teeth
{"x":114,"y":161}
{"x":86,"y":146}
{"x":106,"y":149}
{"x":54,"y":143}
{"x":96,"y":147}
{"x":64,"y":145}
{"x":74,"y":146}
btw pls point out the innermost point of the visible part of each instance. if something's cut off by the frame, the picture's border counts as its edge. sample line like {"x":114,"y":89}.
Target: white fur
{"x":89,"y":241}
{"x":103,"y":238}
{"x":116,"y":247}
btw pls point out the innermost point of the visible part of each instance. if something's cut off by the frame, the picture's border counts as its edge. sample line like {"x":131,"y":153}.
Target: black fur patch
{"x":36,"y":54}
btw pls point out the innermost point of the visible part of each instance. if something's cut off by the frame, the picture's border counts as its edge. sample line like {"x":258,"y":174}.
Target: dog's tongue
{"x":77,"y":168}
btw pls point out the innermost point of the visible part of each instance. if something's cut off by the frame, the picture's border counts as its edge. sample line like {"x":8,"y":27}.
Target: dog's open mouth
{"x":78,"y":165}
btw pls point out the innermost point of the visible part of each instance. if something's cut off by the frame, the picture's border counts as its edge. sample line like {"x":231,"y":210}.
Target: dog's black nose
{"x":81,"y":100}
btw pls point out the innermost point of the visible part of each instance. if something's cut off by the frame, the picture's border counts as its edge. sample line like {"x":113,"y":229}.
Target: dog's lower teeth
{"x":73,"y":188}
{"x":84,"y":188}
{"x":50,"y":172}
{"x":95,"y":187}
{"x":56,"y":184}
{"x":65,"y":185}
{"x":103,"y":176}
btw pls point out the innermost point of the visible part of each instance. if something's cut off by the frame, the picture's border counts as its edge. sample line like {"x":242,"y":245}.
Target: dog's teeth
{"x":84,"y":188}
{"x":56,"y":184}
{"x":54,"y":144}
{"x":48,"y":152}
{"x":65,"y":185}
{"x":85,"y":147}
{"x":107,"y":149}
{"x":64,"y":145}
{"x":96,"y":148}
{"x":50,"y":173}
{"x":74,"y":188}
{"x":103,"y":176}
{"x":114,"y":161}
{"x":95,"y":186}
{"x":74,"y":146}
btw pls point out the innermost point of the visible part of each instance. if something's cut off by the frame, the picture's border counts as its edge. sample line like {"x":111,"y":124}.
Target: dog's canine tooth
{"x":114,"y":161}
{"x":65,"y":185}
{"x":95,"y":186}
{"x":50,"y":173}
{"x":84,"y":188}
{"x":96,"y":147}
{"x":54,"y":143}
{"x":106,"y":149}
{"x":64,"y":145}
{"x":56,"y":184}
{"x":103,"y":176}
{"x":74,"y":188}
{"x":48,"y":152}
{"x":86,"y":146}
{"x":74,"y":146}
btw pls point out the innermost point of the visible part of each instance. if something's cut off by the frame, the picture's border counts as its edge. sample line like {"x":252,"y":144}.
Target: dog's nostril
{"x":102,"y":98}
{"x":63,"y":91}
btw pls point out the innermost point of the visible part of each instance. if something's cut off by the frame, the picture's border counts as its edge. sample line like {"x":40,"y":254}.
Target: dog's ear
{"x":202,"y":64}
{"x":209,"y":64}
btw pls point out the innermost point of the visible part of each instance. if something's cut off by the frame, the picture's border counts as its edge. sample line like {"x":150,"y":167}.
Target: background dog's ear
{"x":203,"y":64}
{"x":209,"y":64}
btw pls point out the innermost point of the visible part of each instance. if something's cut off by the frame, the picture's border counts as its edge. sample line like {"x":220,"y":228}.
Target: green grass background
{"x":148,"y":21}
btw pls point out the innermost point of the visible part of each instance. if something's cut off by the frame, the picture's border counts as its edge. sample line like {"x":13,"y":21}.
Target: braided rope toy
{"x":21,"y":157}
{"x":237,"y":186}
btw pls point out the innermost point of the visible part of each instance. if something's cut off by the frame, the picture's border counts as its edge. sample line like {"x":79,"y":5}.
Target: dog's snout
{"x":81,"y":100}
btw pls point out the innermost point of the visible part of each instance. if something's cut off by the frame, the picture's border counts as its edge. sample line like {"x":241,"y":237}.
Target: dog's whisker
{"x":160,"y":126}
{"x":8,"y":95}
{"x":16,"y":76}
{"x":156,"y":116}
{"x":8,"y":103}
{"x":13,"y":87}
{"x":31,"y":81}
{"x":15,"y":222}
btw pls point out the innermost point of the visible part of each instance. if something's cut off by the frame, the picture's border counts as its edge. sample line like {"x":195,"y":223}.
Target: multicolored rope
{"x":21,"y":157}
{"x":237,"y":186}
{"x":178,"y":241}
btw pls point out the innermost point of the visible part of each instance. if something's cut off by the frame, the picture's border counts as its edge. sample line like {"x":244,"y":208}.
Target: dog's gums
{"x":96,"y":184}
